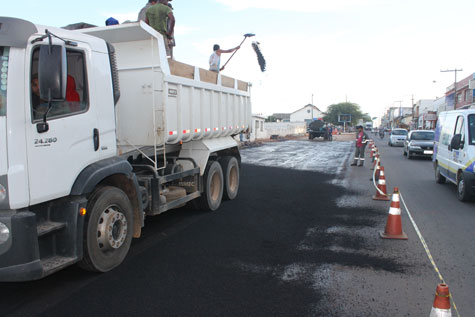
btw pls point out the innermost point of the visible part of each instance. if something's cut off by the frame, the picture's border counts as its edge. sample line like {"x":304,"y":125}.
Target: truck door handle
{"x":96,"y":139}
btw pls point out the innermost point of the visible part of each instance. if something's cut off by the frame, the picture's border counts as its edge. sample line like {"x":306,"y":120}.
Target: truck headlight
{"x":3,"y":193}
{"x":4,"y":233}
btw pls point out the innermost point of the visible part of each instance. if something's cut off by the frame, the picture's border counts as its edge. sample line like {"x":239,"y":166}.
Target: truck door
{"x":458,"y":156}
{"x":56,"y":157}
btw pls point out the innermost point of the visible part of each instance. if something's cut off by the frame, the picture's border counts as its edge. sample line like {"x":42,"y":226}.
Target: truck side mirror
{"x":52,"y":72}
{"x":455,"y":144}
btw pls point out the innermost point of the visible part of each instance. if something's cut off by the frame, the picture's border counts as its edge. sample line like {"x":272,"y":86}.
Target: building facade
{"x":306,"y":114}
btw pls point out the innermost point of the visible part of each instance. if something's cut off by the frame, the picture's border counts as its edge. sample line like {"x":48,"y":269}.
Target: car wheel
{"x":439,"y":178}
{"x":462,"y":189}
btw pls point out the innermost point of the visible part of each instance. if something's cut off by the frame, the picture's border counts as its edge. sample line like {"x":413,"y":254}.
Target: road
{"x":301,"y":239}
{"x":446,"y":223}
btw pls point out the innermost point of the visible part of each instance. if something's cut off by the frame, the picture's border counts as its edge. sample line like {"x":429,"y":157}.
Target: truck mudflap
{"x":19,"y":253}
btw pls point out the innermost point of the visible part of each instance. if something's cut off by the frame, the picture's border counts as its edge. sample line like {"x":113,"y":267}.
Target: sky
{"x":376,"y":53}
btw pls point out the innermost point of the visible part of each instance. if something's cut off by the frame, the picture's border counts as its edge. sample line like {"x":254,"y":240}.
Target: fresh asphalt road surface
{"x":301,"y":239}
{"x":447,"y":224}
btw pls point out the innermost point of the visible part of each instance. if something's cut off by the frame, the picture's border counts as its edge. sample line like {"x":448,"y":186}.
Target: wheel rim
{"x":215,"y":186}
{"x":233,"y":178}
{"x":111,"y":229}
{"x":461,"y":187}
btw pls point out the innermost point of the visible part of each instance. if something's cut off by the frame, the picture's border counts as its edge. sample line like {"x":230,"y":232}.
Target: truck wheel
{"x":230,"y":167}
{"x":108,"y":230}
{"x":212,"y":195}
{"x":439,"y":178}
{"x":462,"y":190}
{"x":310,"y":137}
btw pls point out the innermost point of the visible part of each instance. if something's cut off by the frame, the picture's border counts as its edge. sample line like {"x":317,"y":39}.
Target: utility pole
{"x":455,"y":83}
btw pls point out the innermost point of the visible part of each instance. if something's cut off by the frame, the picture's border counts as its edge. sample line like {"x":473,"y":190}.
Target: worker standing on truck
{"x":141,"y":16}
{"x":215,"y":58}
{"x":160,"y":17}
{"x":361,"y":141}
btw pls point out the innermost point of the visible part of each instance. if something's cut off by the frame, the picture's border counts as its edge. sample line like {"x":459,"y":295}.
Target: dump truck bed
{"x":167,"y":102}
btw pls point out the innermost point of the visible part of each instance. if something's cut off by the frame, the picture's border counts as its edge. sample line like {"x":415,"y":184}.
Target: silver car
{"x":420,"y":143}
{"x":397,"y":137}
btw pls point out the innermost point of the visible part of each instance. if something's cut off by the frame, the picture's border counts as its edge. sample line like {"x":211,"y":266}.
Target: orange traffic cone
{"x":375,"y":162}
{"x":382,"y":187}
{"x":393,"y":228}
{"x":441,"y":307}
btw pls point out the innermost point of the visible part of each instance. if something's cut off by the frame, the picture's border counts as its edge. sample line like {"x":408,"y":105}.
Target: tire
{"x":310,"y":137}
{"x":213,"y":180}
{"x":463,"y":193}
{"x":439,"y":178}
{"x":108,"y":230}
{"x":230,"y":167}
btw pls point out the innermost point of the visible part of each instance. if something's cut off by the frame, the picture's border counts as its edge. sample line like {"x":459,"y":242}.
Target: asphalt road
{"x":447,"y":224}
{"x":300,"y":240}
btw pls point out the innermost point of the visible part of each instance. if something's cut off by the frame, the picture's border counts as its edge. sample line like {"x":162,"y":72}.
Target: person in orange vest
{"x":361,"y":141}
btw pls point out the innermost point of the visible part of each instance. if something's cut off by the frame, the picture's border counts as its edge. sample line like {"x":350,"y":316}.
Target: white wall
{"x":284,"y":128}
{"x":305,"y":114}
{"x":258,"y":130}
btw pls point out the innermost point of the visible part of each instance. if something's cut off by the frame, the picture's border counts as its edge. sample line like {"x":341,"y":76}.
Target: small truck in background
{"x":99,"y":130}
{"x":318,"y":129}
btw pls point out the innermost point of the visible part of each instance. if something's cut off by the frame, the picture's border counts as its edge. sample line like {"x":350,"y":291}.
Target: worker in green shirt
{"x":160,"y":17}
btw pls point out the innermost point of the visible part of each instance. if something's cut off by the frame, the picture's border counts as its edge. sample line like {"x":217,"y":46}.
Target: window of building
{"x":468,"y":95}
{"x":77,"y":100}
{"x":459,"y":97}
{"x":262,"y":126}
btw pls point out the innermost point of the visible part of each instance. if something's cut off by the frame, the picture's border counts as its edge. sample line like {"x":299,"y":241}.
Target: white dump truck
{"x":98,"y":130}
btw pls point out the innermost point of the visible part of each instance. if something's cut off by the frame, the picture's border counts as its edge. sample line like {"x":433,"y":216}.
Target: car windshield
{"x":4,"y":53}
{"x":471,"y":128}
{"x":399,"y":132}
{"x":425,"y":136}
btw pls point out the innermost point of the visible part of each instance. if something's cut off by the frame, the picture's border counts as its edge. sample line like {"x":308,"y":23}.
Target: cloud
{"x":300,"y":6}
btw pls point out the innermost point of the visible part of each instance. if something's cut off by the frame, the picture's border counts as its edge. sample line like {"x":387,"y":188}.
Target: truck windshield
{"x":4,"y":53}
{"x":423,"y":136}
{"x":471,"y":128}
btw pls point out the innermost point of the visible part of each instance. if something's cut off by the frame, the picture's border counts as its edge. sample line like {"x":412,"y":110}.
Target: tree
{"x":271,"y":119}
{"x":344,"y":108}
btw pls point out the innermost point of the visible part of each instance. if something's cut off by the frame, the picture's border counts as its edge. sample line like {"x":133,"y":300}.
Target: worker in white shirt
{"x":215,"y":58}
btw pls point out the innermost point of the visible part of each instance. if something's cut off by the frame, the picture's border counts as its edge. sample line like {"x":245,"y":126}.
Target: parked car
{"x":397,"y":137}
{"x":419,"y":143}
{"x":454,"y":151}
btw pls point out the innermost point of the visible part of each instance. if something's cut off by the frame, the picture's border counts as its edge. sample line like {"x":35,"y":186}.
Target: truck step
{"x":46,"y":227}
{"x":56,"y":263}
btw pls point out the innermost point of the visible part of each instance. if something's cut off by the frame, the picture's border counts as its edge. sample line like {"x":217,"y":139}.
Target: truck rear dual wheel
{"x":212,"y":195}
{"x":108,"y":230}
{"x":230,"y":166}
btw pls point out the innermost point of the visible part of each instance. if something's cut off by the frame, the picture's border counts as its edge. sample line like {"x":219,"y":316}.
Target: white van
{"x":454,"y":151}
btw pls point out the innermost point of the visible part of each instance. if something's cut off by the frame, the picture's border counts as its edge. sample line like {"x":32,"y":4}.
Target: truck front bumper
{"x":19,"y":253}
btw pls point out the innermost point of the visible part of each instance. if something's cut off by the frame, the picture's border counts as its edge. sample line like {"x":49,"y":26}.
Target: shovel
{"x":245,"y":37}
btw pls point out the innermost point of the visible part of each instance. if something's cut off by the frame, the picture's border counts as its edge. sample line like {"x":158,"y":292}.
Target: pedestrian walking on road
{"x":361,"y":141}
